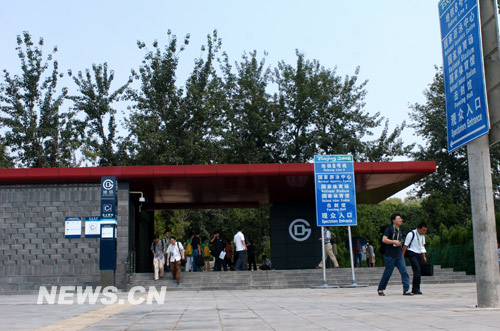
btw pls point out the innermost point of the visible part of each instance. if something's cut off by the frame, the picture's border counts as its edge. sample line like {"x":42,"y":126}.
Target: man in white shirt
{"x":414,"y":244}
{"x":328,"y":250}
{"x":241,"y":249}
{"x":175,"y":253}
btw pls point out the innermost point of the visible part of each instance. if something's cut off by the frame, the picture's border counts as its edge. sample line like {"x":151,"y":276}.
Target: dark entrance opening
{"x":287,"y":188}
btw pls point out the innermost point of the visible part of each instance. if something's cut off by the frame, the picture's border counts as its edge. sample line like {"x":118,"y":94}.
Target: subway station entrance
{"x":287,"y":188}
{"x":36,"y":202}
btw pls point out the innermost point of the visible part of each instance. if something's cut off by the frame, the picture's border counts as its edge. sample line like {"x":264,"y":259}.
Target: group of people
{"x":196,"y":253}
{"x":359,"y":251}
{"x":362,"y":252}
{"x":395,"y":252}
{"x":413,"y":247}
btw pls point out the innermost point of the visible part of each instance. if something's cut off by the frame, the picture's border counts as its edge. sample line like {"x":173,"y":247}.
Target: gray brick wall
{"x":33,"y":250}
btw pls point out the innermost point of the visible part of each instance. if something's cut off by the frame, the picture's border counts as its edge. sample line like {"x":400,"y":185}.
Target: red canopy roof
{"x":230,"y":185}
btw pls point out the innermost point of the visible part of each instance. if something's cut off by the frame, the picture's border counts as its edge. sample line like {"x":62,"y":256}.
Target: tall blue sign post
{"x":335,"y":197}
{"x":107,"y":249}
{"x":466,"y":27}
{"x":467,"y":116}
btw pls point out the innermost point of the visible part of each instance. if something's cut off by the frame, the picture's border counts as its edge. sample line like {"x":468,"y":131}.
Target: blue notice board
{"x":335,"y":190}
{"x":467,"y":116}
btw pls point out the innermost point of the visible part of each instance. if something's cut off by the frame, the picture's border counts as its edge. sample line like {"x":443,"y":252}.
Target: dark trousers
{"x":416,"y":261}
{"x":251,"y":261}
{"x":218,"y":263}
{"x":227,"y":263}
{"x":240,"y":262}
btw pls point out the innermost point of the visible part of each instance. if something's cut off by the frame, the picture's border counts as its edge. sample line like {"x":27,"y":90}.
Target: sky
{"x":396,"y":43}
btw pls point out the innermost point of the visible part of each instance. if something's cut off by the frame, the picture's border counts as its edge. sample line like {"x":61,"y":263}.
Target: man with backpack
{"x":205,"y":248}
{"x":189,"y":252}
{"x":175,"y":253}
{"x":393,"y":256}
{"x":158,"y":249}
{"x":415,"y":251}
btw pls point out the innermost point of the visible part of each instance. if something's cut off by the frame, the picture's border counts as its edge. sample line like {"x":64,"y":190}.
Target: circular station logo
{"x":299,"y":230}
{"x":108,"y":184}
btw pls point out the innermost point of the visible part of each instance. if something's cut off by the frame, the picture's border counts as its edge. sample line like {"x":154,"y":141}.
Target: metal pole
{"x":352,"y":257}
{"x":323,"y":254}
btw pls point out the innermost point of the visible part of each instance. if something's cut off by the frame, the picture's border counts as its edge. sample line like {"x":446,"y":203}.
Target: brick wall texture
{"x":33,"y":250}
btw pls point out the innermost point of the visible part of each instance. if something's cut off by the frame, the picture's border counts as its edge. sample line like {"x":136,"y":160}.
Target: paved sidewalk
{"x":443,"y":307}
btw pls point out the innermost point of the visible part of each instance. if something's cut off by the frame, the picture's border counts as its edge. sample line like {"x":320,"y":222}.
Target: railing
{"x":131,"y":262}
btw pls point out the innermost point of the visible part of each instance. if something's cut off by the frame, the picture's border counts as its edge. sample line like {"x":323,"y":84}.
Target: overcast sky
{"x":396,"y":43}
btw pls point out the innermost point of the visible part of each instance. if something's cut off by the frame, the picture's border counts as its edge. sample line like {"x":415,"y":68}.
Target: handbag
{"x":200,"y":261}
{"x":427,"y":269}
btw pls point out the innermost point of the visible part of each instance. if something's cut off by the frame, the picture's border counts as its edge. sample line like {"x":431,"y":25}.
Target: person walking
{"x":414,"y":247}
{"x":328,"y":249}
{"x":175,"y":253}
{"x":393,"y":256}
{"x":158,"y":250}
{"x":241,"y":249}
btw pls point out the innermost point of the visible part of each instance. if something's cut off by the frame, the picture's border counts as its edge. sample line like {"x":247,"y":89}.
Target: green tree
{"x":155,"y":124}
{"x":95,"y":101}
{"x":429,"y":122}
{"x":200,"y":110}
{"x":5,"y":160}
{"x":39,"y":133}
{"x":322,"y":113}
{"x":295,"y":109}
{"x":451,"y":176}
{"x":250,"y":119}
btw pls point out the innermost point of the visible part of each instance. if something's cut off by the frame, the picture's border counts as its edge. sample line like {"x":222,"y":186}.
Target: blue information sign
{"x":335,"y":190}
{"x":465,"y":88}
{"x":109,"y":188}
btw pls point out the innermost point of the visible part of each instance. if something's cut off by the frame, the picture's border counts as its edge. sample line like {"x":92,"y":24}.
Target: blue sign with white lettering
{"x":335,"y":190}
{"x":109,"y":188}
{"x":467,"y":115}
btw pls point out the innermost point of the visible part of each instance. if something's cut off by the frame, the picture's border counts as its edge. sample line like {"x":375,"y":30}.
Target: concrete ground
{"x":441,"y":307}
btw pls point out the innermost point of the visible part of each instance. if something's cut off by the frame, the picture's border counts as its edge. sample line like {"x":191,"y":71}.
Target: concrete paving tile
{"x":444,"y":306}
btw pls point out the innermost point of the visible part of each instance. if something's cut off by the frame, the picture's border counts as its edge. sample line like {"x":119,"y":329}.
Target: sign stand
{"x":335,"y":198}
{"x":354,"y":282}
{"x":323,"y":258}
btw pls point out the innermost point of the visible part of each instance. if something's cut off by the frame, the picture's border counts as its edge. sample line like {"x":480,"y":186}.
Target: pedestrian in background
{"x":241,"y":249}
{"x":158,"y":250}
{"x":328,"y":249}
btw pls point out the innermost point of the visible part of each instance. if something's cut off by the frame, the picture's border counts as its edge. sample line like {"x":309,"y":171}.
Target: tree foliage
{"x":39,"y":133}
{"x":451,"y":179}
{"x":95,"y":100}
{"x":155,"y":122}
